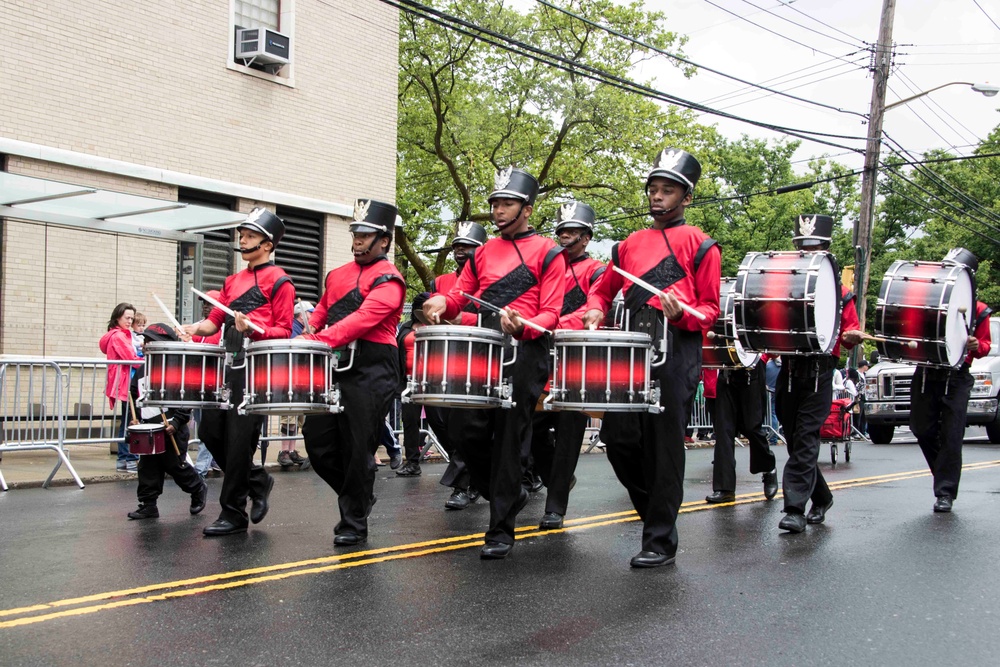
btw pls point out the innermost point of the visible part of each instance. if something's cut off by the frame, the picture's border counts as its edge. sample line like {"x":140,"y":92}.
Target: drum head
{"x":958,"y":324}
{"x":146,"y":428}
{"x":827,"y":312}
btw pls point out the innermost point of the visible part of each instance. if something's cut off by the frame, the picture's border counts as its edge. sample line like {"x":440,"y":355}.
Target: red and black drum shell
{"x":183,"y":374}
{"x":457,"y":366}
{"x":601,"y":370}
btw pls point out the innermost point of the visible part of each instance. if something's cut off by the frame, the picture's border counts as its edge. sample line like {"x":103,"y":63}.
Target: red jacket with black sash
{"x":263,"y":293}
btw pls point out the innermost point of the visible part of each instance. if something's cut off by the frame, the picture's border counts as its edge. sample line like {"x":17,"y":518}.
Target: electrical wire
{"x":947,"y":218}
{"x":788,"y":20}
{"x":749,"y":90}
{"x":789,"y":5}
{"x":976,"y":2}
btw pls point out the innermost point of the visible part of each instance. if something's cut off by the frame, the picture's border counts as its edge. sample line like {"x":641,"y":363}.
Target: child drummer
{"x":154,"y":467}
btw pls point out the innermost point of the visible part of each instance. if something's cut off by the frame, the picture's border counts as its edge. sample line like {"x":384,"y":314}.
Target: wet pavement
{"x":885,"y":581}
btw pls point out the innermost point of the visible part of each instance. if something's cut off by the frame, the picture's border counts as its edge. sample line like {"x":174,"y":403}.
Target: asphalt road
{"x":885,"y":581}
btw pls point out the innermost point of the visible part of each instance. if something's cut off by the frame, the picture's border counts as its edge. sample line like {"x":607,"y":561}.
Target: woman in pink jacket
{"x":117,"y":344}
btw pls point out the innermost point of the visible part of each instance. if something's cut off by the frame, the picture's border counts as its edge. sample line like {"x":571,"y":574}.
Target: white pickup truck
{"x":887,"y":394}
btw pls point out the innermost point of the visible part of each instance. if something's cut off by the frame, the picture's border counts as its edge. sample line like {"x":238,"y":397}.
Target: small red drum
{"x":603,"y":370}
{"x":457,"y":367}
{"x":147,"y":439}
{"x":788,"y":302}
{"x":184,"y":375}
{"x":920,"y":302}
{"x":290,"y":377}
{"x":724,"y":349}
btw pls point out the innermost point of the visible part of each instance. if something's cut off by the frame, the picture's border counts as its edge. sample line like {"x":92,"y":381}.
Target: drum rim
{"x":292,"y":345}
{"x":458,"y":331}
{"x":206,"y":349}
{"x":596,"y":335}
{"x":146,"y":428}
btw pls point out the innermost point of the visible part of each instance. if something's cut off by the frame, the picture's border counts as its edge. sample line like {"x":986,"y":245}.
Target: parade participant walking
{"x":557,"y":436}
{"x":523,"y":273}
{"x":647,"y":450}
{"x":361,"y":304}
{"x":805,"y":393}
{"x":264,"y":291}
{"x":153,"y":468}
{"x":939,"y":400}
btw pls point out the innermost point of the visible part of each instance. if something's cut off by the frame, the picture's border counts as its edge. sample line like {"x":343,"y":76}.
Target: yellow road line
{"x":231,"y":580}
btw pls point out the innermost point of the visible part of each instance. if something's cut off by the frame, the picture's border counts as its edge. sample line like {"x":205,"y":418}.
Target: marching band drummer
{"x":522,"y":273}
{"x":556,"y":455}
{"x":362,"y":302}
{"x":469,"y":236}
{"x":804,"y":394}
{"x":939,"y":399}
{"x":646,"y":450}
{"x":267,"y":292}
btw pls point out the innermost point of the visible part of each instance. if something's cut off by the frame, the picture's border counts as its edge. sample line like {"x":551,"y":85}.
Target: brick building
{"x":132,"y":140}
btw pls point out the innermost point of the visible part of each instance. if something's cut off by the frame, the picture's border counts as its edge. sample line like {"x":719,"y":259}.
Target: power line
{"x":976,"y":2}
{"x":686,"y":61}
{"x":941,"y":199}
{"x":801,"y":85}
{"x":941,"y":215}
{"x":813,"y":18}
{"x":749,"y":90}
{"x":788,"y":20}
{"x":928,"y":100}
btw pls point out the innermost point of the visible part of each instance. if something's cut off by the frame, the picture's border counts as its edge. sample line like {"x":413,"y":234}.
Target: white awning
{"x":53,"y":202}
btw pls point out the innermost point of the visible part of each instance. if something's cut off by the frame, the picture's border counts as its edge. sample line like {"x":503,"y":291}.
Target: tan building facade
{"x":148,"y":99}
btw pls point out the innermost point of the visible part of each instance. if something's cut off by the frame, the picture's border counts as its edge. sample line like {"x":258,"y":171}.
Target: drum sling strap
{"x":246,"y":303}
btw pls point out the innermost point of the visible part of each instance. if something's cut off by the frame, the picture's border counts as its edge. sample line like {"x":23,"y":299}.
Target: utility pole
{"x":863,"y":229}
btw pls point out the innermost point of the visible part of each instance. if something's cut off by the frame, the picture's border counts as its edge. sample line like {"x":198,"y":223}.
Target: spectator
{"x":300,"y":324}
{"x":860,"y":422}
{"x":117,"y":345}
{"x":138,"y":327}
{"x":771,"y":370}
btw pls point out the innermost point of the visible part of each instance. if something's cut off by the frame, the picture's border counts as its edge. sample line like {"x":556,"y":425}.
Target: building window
{"x":300,"y":251}
{"x":258,"y":14}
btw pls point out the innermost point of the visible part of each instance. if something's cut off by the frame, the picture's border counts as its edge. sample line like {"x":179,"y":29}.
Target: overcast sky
{"x":938,"y":42}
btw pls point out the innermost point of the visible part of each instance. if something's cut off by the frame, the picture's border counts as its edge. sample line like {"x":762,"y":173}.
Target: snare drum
{"x":184,"y":375}
{"x":725,"y":349}
{"x":919,"y":302}
{"x":147,"y":439}
{"x":788,"y":302}
{"x":290,"y":377}
{"x":603,"y":370}
{"x":457,"y":367}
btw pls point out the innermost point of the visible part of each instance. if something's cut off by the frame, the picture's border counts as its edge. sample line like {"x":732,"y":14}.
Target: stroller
{"x":838,"y":428}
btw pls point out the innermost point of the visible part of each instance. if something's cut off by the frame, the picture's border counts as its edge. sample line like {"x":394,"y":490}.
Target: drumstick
{"x":172,"y":441}
{"x":503,"y":311}
{"x":712,"y":334}
{"x":642,"y":283}
{"x":912,"y":344}
{"x":170,"y":316}
{"x":225,"y":309}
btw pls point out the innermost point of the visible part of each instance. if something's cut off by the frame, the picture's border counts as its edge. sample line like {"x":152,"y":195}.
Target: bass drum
{"x":724,"y":349}
{"x":920,"y":302}
{"x":788,"y":303}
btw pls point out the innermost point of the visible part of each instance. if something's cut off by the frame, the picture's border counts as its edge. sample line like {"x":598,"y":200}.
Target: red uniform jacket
{"x":982,"y":332}
{"x":580,"y":276}
{"x":444,"y":284}
{"x":491,"y":266}
{"x":265,"y":294}
{"x":645,"y":249}
{"x":359,"y":303}
{"x":848,"y":319}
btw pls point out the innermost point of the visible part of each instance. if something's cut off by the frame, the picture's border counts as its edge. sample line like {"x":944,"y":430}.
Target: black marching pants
{"x":153,"y":468}
{"x":939,"y":400}
{"x":556,"y":454}
{"x":412,"y":439}
{"x":802,"y":408}
{"x":491,"y":441}
{"x":739,"y":407}
{"x":342,"y":446}
{"x":456,"y":475}
{"x":232,"y":439}
{"x":647,"y":450}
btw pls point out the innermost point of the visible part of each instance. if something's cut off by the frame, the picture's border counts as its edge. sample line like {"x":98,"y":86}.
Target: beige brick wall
{"x":147,"y":83}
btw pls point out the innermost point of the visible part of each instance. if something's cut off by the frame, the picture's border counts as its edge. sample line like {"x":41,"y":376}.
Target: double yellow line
{"x":169,"y":590}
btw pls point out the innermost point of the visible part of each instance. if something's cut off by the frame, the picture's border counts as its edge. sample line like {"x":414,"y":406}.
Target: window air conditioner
{"x":263,"y":46}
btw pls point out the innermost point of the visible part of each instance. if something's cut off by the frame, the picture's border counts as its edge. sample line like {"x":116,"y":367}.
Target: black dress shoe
{"x":770,"y":480}
{"x":651,"y":559}
{"x":409,"y":469}
{"x":474,"y":495}
{"x":459,"y":500}
{"x":721,"y":497}
{"x":259,"y":506}
{"x":348,"y":539}
{"x":395,"y":461}
{"x":495,"y":551}
{"x":943,"y":504}
{"x":817,"y":513}
{"x":551,"y":521}
{"x":198,"y":499}
{"x":793,"y":523}
{"x":145,"y":511}
{"x":522,"y":500}
{"x":223,"y":527}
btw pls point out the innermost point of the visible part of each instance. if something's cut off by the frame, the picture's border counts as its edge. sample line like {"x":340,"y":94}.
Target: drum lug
{"x":335,"y":406}
{"x":405,"y":396}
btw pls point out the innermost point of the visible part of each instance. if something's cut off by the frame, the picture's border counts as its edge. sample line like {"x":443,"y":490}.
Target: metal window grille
{"x":300,"y":253}
{"x":258,"y":13}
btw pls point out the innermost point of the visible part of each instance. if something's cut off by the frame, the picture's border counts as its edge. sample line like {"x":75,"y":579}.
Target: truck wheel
{"x":881,"y":434}
{"x":993,"y":432}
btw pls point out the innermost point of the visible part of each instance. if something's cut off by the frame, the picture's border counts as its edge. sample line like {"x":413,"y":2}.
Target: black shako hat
{"x":511,"y":183}
{"x":373,"y":216}
{"x":962,"y":256}
{"x":677,"y":165}
{"x":160,"y":332}
{"x":470,"y":233}
{"x":264,"y":222}
{"x":813,"y":232}
{"x":575,"y":214}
